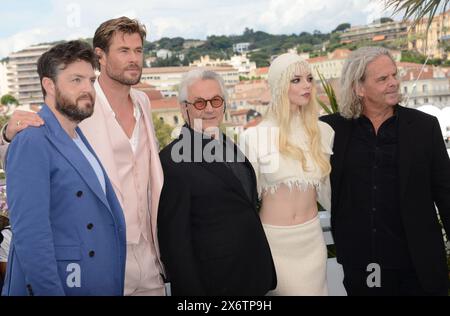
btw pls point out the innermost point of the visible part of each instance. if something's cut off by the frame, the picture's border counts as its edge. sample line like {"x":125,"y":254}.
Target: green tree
{"x":218,"y":42}
{"x":261,"y":58}
{"x":304,"y":48}
{"x":385,"y":20}
{"x":341,"y":27}
{"x":412,"y":57}
{"x":8,"y":99}
{"x":251,"y":36}
{"x":306,"y":37}
{"x":174,"y":44}
{"x":149,"y":46}
{"x":163,"y":132}
{"x":173,"y":61}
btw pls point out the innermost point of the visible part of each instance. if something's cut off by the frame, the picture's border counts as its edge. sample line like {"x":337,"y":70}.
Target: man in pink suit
{"x":122,"y":135}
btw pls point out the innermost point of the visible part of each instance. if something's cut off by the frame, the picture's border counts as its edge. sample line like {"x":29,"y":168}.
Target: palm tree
{"x":329,"y":91}
{"x":417,"y":9}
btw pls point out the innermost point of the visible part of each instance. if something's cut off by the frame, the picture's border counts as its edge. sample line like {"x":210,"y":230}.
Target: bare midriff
{"x":288,"y":206}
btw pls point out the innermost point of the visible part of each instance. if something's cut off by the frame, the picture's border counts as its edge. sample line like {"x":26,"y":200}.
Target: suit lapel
{"x":405,"y":144}
{"x":69,"y":150}
{"x":342,"y":137}
{"x":97,"y":130}
{"x":252,"y":171}
{"x":156,"y":173}
{"x":237,"y":154}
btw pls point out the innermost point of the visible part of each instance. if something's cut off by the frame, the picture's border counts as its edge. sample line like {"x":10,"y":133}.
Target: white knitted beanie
{"x":279,"y":66}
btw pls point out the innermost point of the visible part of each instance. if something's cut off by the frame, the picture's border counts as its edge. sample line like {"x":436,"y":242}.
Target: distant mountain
{"x":262,"y":46}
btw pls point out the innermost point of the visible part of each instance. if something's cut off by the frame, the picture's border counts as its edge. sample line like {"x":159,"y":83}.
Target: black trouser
{"x":394,"y":282}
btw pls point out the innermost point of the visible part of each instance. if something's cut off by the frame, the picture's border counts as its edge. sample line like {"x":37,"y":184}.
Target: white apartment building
{"x":164,"y":53}
{"x":3,"y":79}
{"x":240,"y":62}
{"x":376,"y":32}
{"x":23,"y":79}
{"x":241,"y":48}
{"x":167,"y":79}
{"x":329,"y":66}
{"x":431,"y":88}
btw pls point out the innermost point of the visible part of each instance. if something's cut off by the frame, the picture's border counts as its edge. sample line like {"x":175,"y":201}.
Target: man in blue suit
{"x":68,"y":227}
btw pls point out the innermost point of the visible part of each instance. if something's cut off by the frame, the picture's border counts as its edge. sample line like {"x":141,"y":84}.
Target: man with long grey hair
{"x":390,"y":169}
{"x":211,"y":239}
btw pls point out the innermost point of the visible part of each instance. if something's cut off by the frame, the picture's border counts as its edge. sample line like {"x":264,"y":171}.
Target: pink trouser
{"x":142,"y":274}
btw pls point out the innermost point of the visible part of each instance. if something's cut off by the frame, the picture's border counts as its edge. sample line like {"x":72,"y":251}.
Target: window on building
{"x":425,"y":88}
{"x":161,"y":119}
{"x":175,"y":120}
{"x":405,"y":89}
{"x":425,"y":100}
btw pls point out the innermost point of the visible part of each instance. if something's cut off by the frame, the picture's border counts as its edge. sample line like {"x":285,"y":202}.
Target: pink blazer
{"x":95,"y":129}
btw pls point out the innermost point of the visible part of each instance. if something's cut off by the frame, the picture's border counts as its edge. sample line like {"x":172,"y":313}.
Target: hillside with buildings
{"x":242,"y":61}
{"x":416,"y":42}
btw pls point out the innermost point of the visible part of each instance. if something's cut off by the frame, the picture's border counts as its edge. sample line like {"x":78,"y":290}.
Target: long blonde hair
{"x":280,"y":111}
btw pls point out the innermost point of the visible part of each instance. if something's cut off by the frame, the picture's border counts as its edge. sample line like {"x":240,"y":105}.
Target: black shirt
{"x":371,"y":195}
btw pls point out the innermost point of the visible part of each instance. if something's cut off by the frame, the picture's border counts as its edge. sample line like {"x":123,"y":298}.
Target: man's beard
{"x":71,"y":110}
{"x":120,"y":77}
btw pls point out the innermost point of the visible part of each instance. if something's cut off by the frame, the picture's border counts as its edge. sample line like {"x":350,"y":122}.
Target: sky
{"x":28,"y":22}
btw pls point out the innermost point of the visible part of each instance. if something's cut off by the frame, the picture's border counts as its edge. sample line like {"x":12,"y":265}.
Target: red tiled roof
{"x":255,"y":91}
{"x":143,"y":86}
{"x":408,"y":65}
{"x":317,"y":59}
{"x":262,"y":71}
{"x":378,"y":38}
{"x":239,"y":112}
{"x":150,"y":90}
{"x":163,"y":104}
{"x":413,"y":74}
{"x":340,"y":53}
{"x":154,"y":95}
{"x":162,"y":70}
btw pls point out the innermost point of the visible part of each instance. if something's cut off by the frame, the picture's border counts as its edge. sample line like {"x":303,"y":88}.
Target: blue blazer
{"x":68,"y":236}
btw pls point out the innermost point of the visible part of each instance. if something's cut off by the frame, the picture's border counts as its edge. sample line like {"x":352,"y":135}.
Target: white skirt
{"x":300,"y":256}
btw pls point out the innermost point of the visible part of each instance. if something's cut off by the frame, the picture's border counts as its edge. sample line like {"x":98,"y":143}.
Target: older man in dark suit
{"x":390,"y":169}
{"x":211,"y":239}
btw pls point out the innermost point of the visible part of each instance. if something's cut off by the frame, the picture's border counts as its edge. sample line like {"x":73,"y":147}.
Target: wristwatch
{"x":4,"y":138}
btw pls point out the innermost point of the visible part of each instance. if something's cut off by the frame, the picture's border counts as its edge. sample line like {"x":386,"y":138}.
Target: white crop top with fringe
{"x":260,"y":145}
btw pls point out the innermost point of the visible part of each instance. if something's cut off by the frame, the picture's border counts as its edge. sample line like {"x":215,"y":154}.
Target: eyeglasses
{"x":200,"y":104}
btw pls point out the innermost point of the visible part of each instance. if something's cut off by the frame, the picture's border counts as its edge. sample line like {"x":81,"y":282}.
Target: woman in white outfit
{"x":290,"y":152}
